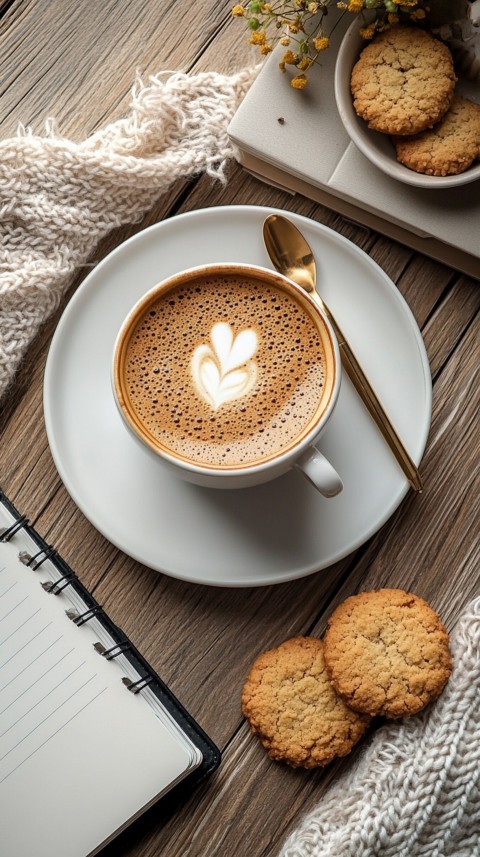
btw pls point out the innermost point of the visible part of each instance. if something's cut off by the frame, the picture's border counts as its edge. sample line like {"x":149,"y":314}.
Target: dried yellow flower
{"x":287,"y":22}
{"x":299,"y":82}
{"x":321,"y":43}
{"x":304,"y":63}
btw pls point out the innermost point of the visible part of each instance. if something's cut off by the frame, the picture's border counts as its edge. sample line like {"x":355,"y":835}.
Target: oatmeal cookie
{"x":387,"y":652}
{"x":449,"y":148}
{"x":292,"y":707}
{"x":403,"y":81}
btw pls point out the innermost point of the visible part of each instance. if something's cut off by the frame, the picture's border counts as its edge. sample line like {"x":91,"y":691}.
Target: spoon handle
{"x":292,"y":256}
{"x":371,"y":402}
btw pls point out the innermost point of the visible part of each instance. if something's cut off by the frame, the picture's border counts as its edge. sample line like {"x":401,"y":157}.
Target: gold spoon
{"x":292,"y":256}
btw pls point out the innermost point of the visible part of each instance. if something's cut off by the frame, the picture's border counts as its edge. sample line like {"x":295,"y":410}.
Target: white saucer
{"x":251,"y":537}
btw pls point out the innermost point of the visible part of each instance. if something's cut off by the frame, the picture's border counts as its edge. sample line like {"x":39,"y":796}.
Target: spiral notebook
{"x":90,"y":736}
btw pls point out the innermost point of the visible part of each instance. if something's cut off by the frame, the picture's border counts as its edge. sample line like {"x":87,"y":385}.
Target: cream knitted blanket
{"x":59,"y":198}
{"x":415,"y":791}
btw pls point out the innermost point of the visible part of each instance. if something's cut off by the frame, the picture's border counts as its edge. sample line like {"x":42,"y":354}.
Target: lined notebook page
{"x":80,"y":755}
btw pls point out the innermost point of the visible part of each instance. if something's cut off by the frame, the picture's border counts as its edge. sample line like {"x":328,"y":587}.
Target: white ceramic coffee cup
{"x":302,"y":455}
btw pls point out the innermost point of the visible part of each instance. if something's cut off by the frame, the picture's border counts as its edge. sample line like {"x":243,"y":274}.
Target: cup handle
{"x":319,"y":472}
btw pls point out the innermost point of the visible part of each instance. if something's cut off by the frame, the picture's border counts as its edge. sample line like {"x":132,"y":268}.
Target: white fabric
{"x":59,"y":198}
{"x":415,"y":790}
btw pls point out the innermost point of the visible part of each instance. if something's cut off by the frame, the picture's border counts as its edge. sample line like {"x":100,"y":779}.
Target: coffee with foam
{"x":223,"y":369}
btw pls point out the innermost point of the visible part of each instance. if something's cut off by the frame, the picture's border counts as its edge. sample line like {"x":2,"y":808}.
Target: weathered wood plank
{"x":57,"y":57}
{"x":450,"y":320}
{"x":423,"y":284}
{"x":4,"y":7}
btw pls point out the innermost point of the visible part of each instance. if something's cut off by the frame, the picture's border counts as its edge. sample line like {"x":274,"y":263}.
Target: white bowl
{"x":377,"y":147}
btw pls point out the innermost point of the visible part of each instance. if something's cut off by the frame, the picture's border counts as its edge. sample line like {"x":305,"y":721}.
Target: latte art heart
{"x":225,"y":370}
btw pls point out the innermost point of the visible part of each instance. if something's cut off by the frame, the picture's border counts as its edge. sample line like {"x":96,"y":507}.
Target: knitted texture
{"x":59,"y":198}
{"x":415,"y":791}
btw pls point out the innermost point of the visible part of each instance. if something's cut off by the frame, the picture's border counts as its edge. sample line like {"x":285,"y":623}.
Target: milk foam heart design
{"x":225,"y":370}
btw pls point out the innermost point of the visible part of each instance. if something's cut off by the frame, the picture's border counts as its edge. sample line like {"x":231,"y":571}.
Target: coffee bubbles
{"x":225,"y":370}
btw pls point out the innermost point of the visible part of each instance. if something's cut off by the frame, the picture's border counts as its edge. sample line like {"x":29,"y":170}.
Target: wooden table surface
{"x":76,"y":61}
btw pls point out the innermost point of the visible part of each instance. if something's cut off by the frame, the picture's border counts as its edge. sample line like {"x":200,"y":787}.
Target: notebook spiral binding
{"x":81,"y":618}
{"x":8,"y":533}
{"x":137,"y":686}
{"x":34,"y":562}
{"x":123,"y":646}
{"x":113,"y":651}
{"x":54,"y":587}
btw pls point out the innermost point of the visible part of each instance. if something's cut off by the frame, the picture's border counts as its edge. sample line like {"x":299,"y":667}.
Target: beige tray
{"x":309,"y":152}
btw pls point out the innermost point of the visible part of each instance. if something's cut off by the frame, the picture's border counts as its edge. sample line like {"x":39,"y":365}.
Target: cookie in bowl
{"x":450,"y":147}
{"x":403,"y":81}
{"x":378,"y":147}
